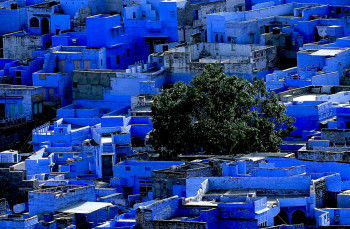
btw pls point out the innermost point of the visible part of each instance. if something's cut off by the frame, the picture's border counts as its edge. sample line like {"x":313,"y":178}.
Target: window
{"x":34,"y":22}
{"x":35,"y":108}
{"x":86,"y":64}
{"x":134,"y":15}
{"x":145,"y":189}
{"x":267,"y":29}
{"x":76,"y":64}
{"x":18,"y":73}
{"x":60,"y":155}
{"x":89,"y":154}
{"x":288,"y":43}
{"x":216,"y":38}
{"x":117,"y":32}
{"x":62,"y":66}
{"x":251,"y":38}
{"x":75,"y":155}
{"x":75,"y":84}
{"x":338,"y":10}
{"x":101,"y":62}
{"x":261,"y":30}
{"x":172,"y":14}
{"x":127,"y":168}
{"x":112,"y":32}
{"x":222,"y":38}
{"x":40,"y":107}
{"x":212,"y":11}
{"x":118,"y":59}
{"x":160,"y":60}
{"x":127,"y":52}
{"x":20,"y":108}
{"x":143,"y":13}
{"x":195,"y":15}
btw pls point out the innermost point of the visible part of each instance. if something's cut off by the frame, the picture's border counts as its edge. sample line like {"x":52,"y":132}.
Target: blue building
{"x":319,"y":63}
{"x":45,"y":18}
{"x":151,"y":23}
{"x":248,"y":61}
{"x":13,"y":17}
{"x":120,"y":49}
{"x":59,"y":62}
{"x":113,"y":137}
{"x":18,"y":102}
{"x":315,"y":107}
{"x":77,"y":200}
{"x":287,"y":26}
{"x":135,"y":177}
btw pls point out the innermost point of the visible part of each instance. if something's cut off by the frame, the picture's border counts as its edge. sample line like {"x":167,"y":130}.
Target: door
{"x":45,"y":26}
{"x":2,"y":110}
{"x":20,"y":109}
{"x":12,"y":109}
{"x":107,"y":166}
{"x":86,"y":64}
{"x":76,"y":64}
{"x":51,"y":94}
{"x":62,"y":66}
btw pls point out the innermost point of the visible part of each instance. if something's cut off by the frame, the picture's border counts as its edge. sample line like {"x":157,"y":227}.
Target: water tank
{"x":133,"y":69}
{"x":128,"y":70}
{"x":139,"y":69}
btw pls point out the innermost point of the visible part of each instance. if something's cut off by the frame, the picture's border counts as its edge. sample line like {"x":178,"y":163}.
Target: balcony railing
{"x":6,"y":122}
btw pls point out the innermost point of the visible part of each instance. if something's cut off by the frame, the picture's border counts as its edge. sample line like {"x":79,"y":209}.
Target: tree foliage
{"x":218,"y":114}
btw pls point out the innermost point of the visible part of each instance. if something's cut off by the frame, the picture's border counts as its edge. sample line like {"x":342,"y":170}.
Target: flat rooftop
{"x":327,"y":52}
{"x":85,"y":207}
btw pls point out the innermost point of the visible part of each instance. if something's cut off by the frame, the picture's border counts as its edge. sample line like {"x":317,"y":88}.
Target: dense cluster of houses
{"x":77,"y":78}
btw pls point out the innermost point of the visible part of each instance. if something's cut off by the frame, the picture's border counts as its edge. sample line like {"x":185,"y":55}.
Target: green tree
{"x":218,"y":114}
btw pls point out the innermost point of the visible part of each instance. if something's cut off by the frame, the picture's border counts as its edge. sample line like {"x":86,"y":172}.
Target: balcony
{"x":8,"y":122}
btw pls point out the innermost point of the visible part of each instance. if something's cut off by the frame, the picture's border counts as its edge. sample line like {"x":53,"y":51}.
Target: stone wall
{"x":319,"y":187}
{"x":20,"y":46}
{"x":320,"y":155}
{"x":160,"y":210}
{"x":336,"y":136}
{"x":165,"y":224}
{"x":14,"y":188}
{"x":91,"y":84}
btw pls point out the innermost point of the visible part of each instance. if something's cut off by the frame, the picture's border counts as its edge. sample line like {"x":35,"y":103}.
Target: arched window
{"x":281,"y":218}
{"x":45,"y":26}
{"x":216,"y":38}
{"x":222,"y":38}
{"x":34,"y":22}
{"x":298,"y":217}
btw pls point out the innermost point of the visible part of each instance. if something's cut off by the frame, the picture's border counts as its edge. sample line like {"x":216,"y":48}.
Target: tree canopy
{"x":218,"y":114}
